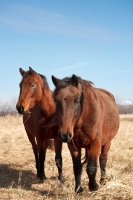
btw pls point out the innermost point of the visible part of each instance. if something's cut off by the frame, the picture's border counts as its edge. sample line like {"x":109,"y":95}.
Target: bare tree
{"x":8,"y":107}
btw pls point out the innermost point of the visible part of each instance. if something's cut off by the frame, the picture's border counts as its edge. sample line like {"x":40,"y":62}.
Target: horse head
{"x":68,"y":99}
{"x":30,"y":90}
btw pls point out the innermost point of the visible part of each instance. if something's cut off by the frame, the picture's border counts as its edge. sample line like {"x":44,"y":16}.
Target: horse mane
{"x":44,"y":81}
{"x":67,"y":81}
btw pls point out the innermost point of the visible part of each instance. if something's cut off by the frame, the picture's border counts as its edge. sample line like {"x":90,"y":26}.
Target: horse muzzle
{"x":20,"y":109}
{"x":65,"y":137}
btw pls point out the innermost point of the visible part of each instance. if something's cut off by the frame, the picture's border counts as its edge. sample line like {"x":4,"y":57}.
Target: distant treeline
{"x":10,"y":108}
{"x":125,"y":109}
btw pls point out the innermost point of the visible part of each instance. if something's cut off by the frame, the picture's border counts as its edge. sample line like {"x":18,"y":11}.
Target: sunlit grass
{"x":18,"y":174}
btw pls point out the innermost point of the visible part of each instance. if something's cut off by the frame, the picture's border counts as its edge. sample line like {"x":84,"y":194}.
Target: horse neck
{"x":47,"y":103}
{"x":89,"y":103}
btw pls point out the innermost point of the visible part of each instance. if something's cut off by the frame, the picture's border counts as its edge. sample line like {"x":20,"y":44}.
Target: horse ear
{"x":55,"y":80}
{"x":31,"y":71}
{"x":22,"y":72}
{"x":74,"y":80}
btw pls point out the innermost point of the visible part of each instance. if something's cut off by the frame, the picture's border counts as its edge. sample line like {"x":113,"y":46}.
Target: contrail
{"x":69,"y":67}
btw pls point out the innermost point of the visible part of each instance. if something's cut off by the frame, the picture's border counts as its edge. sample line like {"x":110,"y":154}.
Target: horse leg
{"x":35,"y":150}
{"x":58,"y":158}
{"x":103,"y":161}
{"x":91,"y":168}
{"x":42,"y":153}
{"x":77,"y":166}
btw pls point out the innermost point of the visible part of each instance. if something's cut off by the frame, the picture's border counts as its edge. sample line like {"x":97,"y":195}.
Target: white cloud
{"x":126,"y":102}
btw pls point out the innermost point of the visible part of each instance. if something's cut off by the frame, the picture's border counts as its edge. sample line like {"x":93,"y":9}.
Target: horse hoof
{"x":41,"y":178}
{"x":103,"y":181}
{"x":61,"y":179}
{"x":93,"y":187}
{"x":44,"y":177}
{"x":79,"y":190}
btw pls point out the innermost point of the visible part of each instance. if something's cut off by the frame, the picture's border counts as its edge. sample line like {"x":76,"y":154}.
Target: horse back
{"x":99,"y":117}
{"x":109,"y":115}
{"x":106,"y":92}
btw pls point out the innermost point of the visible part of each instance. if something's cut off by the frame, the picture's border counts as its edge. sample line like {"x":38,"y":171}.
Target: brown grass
{"x":18,"y":174}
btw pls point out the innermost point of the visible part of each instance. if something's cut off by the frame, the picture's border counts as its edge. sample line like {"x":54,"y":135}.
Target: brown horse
{"x":36,"y":104}
{"x":89,"y":117}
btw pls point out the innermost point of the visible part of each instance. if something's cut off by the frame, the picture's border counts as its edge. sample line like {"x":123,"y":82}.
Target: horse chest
{"x":81,"y":139}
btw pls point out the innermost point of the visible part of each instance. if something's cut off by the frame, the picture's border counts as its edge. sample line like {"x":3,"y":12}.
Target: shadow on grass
{"x":24,"y":179}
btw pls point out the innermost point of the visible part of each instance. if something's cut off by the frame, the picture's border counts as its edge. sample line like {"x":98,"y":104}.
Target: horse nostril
{"x":69,"y":135}
{"x":20,"y":109}
{"x":63,"y":137}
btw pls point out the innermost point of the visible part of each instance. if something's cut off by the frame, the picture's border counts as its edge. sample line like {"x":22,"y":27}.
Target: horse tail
{"x":50,"y":144}
{"x":85,"y":158}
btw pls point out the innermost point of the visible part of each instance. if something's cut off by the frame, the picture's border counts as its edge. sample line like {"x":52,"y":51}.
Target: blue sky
{"x":89,"y":38}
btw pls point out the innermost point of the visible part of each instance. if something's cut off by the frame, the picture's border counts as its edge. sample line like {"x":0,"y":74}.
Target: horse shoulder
{"x":29,"y":124}
{"x":31,"y":120}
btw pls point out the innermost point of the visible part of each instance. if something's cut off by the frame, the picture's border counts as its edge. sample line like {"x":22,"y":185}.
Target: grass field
{"x":18,"y":174}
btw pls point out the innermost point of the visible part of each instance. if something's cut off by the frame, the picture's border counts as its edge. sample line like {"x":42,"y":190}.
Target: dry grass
{"x":18,"y":174}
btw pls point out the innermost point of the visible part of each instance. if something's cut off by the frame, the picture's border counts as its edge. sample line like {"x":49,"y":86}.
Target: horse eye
{"x":76,"y":101}
{"x":32,"y":84}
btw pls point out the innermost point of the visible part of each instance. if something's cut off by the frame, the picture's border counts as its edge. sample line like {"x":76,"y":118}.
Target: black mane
{"x":44,"y":81}
{"x":67,"y":81}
